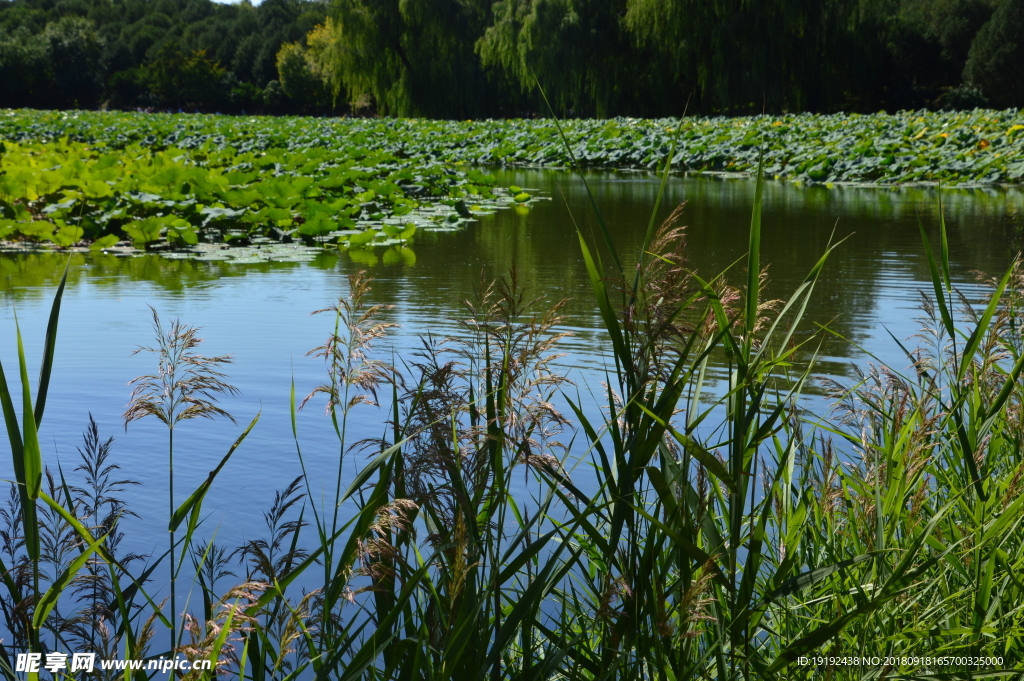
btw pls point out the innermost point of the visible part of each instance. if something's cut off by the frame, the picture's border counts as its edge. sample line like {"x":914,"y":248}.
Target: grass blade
{"x":49,"y":599}
{"x":46,"y":368}
{"x":193,"y":504}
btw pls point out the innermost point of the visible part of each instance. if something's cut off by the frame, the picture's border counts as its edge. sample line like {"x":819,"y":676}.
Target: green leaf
{"x":49,"y":347}
{"x":362,"y":238}
{"x":317,"y":225}
{"x":193,"y":504}
{"x":804,"y":580}
{"x":49,"y":599}
{"x":104,"y":242}
{"x":144,"y":231}
{"x":182,"y":231}
{"x":32,"y":454}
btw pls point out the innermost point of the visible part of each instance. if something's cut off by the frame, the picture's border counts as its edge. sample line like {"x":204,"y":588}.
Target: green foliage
{"x":414,"y":57}
{"x":58,"y":67}
{"x":175,"y":180}
{"x":74,"y":47}
{"x":996,"y":62}
{"x":300,"y":77}
{"x":128,"y":87}
{"x":23,"y":66}
{"x":180,"y":79}
{"x":952,"y":24}
{"x":777,"y":55}
{"x":273,"y":98}
{"x":650,"y":57}
{"x":183,"y":179}
{"x":78,"y":55}
{"x":577,"y":50}
{"x":478,"y":58}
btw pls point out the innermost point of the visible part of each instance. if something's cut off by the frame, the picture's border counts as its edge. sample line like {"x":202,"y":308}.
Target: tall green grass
{"x":729,"y":532}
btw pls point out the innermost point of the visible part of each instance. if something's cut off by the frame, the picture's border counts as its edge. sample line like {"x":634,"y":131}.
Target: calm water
{"x":261,"y":313}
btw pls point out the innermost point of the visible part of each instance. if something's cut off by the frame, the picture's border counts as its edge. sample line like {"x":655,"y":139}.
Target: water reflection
{"x":871,"y":280}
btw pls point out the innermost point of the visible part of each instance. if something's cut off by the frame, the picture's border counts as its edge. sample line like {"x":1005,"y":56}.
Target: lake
{"x":260,"y":313}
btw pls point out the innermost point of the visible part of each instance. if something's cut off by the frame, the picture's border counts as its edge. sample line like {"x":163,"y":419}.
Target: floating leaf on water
{"x":248,"y":261}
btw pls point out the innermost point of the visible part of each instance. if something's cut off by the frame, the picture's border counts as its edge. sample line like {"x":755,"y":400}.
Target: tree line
{"x":166,"y":54}
{"x":495,"y":58}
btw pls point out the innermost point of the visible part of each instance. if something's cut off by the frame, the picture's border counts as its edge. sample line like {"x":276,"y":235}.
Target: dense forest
{"x":169,"y":54}
{"x":487,"y":58}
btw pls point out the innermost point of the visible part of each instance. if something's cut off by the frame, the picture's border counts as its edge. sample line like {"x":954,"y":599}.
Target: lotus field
{"x":177,"y":180}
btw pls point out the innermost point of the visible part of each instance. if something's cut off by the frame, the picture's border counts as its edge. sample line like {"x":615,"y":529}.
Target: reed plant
{"x":186,"y":386}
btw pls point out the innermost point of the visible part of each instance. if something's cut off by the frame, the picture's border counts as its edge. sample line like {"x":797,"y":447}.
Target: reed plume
{"x":185,"y":386}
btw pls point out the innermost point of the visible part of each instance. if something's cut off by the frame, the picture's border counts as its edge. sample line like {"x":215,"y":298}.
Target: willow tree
{"x":996,"y":62}
{"x":415,"y":57}
{"x":577,"y":51}
{"x":745,"y":55}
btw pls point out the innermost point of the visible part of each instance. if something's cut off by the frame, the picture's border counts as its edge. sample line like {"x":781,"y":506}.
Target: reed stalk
{"x":186,"y":386}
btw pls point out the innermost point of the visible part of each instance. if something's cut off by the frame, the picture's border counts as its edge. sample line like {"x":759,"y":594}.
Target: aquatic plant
{"x":980,"y":146}
{"x":199,"y":190}
{"x":163,"y":180}
{"x":186,"y":386}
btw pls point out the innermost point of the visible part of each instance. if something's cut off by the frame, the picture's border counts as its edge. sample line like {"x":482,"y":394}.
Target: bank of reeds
{"x":729,"y":534}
